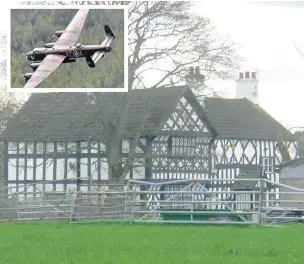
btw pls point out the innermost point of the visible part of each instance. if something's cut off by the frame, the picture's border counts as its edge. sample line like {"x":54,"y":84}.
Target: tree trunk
{"x":115,"y":201}
{"x":114,"y":161}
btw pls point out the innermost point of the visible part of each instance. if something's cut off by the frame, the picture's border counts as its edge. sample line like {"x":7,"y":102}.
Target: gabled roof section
{"x":241,"y":119}
{"x":76,"y":116}
{"x":200,"y":111}
{"x":52,"y":116}
{"x":189,"y":118}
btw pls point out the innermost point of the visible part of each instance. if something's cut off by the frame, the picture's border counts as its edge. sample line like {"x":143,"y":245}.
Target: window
{"x":94,"y":147}
{"x":183,"y":146}
{"x":39,"y":148}
{"x":12,"y":169}
{"x":94,"y":169}
{"x":21,"y":148}
{"x":72,"y":168}
{"x":30,"y":169}
{"x":84,"y":147}
{"x":104,"y":170}
{"x":39,"y":169}
{"x":268,"y":164}
{"x":61,"y":147}
{"x":49,"y":170}
{"x":12,"y":147}
{"x":30,"y":148}
{"x":21,"y":169}
{"x":84,"y":168}
{"x":59,"y":169}
{"x":72,"y":147}
{"x":49,"y":147}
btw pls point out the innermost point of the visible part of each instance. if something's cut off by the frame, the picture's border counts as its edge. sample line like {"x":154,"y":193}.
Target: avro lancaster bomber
{"x":65,"y":50}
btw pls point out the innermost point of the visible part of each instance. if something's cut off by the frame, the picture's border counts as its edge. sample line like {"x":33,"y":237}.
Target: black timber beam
{"x":183,"y":134}
{"x":235,"y":166}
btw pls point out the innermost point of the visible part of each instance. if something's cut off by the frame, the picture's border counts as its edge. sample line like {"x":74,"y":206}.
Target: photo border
{"x":18,"y":90}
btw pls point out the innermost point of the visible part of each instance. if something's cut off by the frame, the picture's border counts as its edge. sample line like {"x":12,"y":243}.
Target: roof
{"x":77,"y":116}
{"x":241,"y":119}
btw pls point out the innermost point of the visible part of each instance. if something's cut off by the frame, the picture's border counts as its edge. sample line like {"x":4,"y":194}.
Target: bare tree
{"x":113,"y":113}
{"x":8,"y":102}
{"x":165,"y":33}
{"x":165,"y":39}
{"x":8,"y":107}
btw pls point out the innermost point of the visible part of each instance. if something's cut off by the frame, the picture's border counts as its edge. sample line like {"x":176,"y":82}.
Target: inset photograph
{"x":68,"y":49}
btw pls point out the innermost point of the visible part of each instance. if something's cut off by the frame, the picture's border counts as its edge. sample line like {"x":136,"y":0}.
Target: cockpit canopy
{"x":78,"y":45}
{"x":38,"y":50}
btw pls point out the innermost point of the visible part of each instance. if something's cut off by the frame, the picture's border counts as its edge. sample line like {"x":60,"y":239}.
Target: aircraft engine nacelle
{"x":35,"y":65}
{"x":90,"y":62}
{"x":68,"y":60}
{"x":58,"y":33}
{"x":27,"y":76}
{"x":49,"y":45}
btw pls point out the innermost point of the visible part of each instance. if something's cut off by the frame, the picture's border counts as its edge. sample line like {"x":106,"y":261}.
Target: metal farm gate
{"x":178,"y":201}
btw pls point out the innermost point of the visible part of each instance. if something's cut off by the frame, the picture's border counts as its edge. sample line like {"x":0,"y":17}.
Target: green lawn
{"x":103,"y":243}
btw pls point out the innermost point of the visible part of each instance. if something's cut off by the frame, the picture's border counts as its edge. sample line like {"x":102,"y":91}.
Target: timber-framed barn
{"x":58,"y":136}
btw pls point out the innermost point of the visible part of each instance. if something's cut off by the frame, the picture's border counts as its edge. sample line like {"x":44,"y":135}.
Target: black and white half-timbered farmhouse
{"x":59,"y":136}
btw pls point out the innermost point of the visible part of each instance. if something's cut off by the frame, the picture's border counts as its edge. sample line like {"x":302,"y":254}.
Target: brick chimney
{"x":195,"y":73}
{"x":247,"y":87}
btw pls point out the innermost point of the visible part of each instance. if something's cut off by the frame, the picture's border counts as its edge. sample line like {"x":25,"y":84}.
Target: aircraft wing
{"x":71,"y":34}
{"x":50,"y":63}
{"x":99,"y":54}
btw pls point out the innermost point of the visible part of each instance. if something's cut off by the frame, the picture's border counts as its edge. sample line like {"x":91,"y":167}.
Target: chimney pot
{"x":197,"y":71}
{"x":253,"y":75}
{"x":241,"y":75}
{"x":191,"y":70}
{"x":247,"y":75}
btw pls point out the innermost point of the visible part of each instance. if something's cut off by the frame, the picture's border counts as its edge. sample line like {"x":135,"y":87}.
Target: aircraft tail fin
{"x":109,"y":32}
{"x":107,"y":43}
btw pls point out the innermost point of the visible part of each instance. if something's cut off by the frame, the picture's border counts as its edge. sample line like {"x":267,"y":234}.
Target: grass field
{"x":60,"y":243}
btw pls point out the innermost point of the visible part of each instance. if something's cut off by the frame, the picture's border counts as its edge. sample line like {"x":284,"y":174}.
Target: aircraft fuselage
{"x":74,"y":52}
